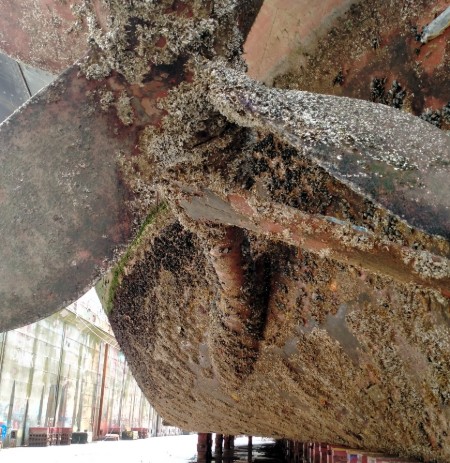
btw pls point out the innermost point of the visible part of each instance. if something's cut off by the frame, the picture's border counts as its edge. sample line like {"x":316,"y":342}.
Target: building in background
{"x":68,"y":371}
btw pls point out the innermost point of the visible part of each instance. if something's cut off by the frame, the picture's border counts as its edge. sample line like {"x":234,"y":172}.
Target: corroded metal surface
{"x":346,"y":354}
{"x":282,"y":26}
{"x":352,"y":345}
{"x":374,"y":53}
{"x":42,"y":33}
{"x":348,"y":284}
{"x":284,"y":292}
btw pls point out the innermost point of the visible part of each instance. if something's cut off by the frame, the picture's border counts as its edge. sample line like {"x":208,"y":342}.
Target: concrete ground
{"x":170,"y":449}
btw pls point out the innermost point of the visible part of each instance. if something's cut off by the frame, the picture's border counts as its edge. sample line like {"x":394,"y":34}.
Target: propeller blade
{"x":392,"y":157}
{"x":62,"y":195}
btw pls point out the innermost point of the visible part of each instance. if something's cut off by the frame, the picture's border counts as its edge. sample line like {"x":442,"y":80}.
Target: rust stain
{"x":271,"y":227}
{"x":161,"y":42}
{"x":83,"y":255}
{"x":150,"y":108}
{"x":432,"y":54}
{"x":241,"y":205}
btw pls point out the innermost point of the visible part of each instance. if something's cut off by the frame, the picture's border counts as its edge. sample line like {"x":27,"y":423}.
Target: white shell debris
{"x":436,"y":27}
